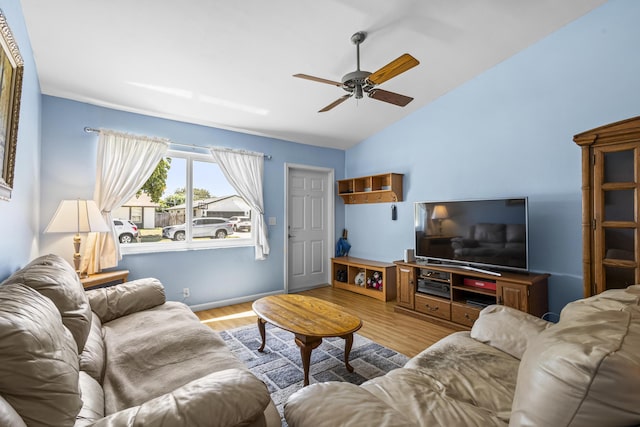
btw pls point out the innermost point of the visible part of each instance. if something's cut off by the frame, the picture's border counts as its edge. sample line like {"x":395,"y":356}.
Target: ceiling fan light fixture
{"x":358,"y":92}
{"x":359,"y":82}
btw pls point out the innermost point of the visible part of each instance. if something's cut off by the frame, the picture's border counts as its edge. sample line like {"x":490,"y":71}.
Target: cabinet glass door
{"x":616,"y":216}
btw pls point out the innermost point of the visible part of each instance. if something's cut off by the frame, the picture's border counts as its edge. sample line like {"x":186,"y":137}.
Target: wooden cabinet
{"x":371,"y":189}
{"x":455,"y":297}
{"x":610,"y":205}
{"x":433,"y":306}
{"x":347,"y":273}
{"x":512,"y":295}
{"x":406,"y":286}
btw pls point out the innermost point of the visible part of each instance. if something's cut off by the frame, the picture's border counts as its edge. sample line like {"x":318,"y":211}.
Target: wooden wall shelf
{"x":384,"y":188}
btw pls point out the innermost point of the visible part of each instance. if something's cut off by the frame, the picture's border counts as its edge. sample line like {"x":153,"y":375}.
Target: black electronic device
{"x":431,"y":287}
{"x":433,"y":274}
{"x":477,"y":235}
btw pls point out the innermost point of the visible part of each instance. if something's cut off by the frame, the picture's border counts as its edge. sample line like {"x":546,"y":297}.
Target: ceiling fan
{"x":358,"y":82}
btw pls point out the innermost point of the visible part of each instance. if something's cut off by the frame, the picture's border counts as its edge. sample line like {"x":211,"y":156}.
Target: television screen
{"x":483,"y":233}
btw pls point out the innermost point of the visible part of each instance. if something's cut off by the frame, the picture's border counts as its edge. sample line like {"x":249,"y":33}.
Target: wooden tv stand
{"x":439,"y":293}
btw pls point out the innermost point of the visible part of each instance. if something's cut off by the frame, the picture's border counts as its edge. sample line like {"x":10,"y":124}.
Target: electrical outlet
{"x":186,"y":293}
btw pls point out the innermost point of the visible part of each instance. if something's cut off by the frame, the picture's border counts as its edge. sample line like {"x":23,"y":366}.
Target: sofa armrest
{"x":226,"y":398}
{"x":507,"y":329}
{"x":350,"y":405}
{"x":126,"y":298}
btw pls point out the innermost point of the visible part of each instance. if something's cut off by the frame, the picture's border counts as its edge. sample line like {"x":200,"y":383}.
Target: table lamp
{"x":439,"y":213}
{"x":79,"y":216}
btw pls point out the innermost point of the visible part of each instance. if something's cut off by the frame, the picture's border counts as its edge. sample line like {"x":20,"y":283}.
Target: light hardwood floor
{"x":381,"y":324}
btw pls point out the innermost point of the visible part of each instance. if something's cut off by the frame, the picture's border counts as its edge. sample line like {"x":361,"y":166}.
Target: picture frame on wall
{"x":11,"y":72}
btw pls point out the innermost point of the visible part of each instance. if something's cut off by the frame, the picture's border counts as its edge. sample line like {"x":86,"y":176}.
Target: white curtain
{"x":244,"y":170}
{"x":125,"y":162}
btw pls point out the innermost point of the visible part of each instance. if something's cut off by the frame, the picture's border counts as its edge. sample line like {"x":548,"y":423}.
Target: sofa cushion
{"x":461,"y":369}
{"x":490,"y":233}
{"x":54,"y":278}
{"x":38,"y":359}
{"x":584,"y":371}
{"x":92,"y":401}
{"x":516,"y":233}
{"x":126,"y":298}
{"x":300,"y":409}
{"x":92,"y":358}
{"x":9,"y":416}
{"x":507,"y":329}
{"x":227,"y":398}
{"x":155,"y":351}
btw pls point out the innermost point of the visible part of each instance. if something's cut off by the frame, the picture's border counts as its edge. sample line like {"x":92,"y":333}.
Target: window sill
{"x":146,"y":248}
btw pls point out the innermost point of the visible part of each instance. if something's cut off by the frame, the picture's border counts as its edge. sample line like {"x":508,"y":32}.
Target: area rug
{"x":280,"y":366}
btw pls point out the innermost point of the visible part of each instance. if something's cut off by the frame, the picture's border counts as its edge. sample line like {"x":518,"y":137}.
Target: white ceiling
{"x":229,"y":64}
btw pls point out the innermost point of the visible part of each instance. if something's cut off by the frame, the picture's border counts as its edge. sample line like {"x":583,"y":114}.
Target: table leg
{"x":307,"y":344}
{"x":348,"y":343}
{"x":261,"y":324}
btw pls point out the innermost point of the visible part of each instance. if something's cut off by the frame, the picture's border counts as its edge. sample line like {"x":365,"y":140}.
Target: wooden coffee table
{"x":309,"y":319}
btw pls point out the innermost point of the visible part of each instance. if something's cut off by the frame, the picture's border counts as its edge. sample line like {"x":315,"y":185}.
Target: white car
{"x":244,"y":225}
{"x":216,"y":228}
{"x":235,"y":220}
{"x":127,"y":230}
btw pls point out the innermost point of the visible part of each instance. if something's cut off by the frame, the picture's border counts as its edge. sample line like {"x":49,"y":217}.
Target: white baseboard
{"x":223,"y":303}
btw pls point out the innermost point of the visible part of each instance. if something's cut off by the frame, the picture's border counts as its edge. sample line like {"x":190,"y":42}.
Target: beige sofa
{"x":117,"y":356}
{"x":510,"y":369}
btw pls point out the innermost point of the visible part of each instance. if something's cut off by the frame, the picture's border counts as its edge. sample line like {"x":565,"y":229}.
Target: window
{"x":136,"y":214}
{"x":198,"y":209}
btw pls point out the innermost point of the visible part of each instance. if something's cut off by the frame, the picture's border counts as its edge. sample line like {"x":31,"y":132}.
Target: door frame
{"x":330,"y":231}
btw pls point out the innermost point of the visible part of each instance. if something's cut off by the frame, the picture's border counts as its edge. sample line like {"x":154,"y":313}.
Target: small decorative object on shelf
{"x":360,"y":278}
{"x":375,"y":281}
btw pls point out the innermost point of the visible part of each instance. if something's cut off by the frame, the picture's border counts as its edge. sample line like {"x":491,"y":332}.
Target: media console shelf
{"x":344,"y":271}
{"x":382,"y":188}
{"x":454,"y":297}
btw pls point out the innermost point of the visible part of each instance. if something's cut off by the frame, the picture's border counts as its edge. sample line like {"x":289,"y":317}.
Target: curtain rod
{"x":93,"y":130}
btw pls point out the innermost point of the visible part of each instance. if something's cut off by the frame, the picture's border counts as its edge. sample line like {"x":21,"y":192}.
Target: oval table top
{"x":306,"y":315}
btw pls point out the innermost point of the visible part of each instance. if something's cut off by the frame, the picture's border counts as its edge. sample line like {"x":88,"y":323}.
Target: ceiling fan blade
{"x":393,"y":68}
{"x":335,"y":103}
{"x":390,"y":97}
{"x":317,"y":79}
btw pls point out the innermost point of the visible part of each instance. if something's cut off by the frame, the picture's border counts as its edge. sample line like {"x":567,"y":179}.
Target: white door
{"x":309,"y":227}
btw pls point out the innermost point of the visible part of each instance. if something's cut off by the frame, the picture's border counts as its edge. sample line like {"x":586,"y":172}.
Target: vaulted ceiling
{"x":229,"y":64}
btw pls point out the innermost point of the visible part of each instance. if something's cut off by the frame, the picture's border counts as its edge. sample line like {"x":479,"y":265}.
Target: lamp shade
{"x":77,"y":216}
{"x":440,"y":212}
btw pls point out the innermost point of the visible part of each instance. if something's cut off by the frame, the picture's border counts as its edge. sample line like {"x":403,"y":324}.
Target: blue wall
{"x":508,"y":132}
{"x":69,"y":169}
{"x":19,"y":242}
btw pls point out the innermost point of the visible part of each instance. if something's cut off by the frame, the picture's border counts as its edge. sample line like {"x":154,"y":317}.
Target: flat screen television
{"x":486,"y":235}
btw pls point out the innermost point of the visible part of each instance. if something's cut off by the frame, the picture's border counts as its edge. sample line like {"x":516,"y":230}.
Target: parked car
{"x":234,"y":220}
{"x":218,"y":228}
{"x":244,"y":225}
{"x":127,"y":230}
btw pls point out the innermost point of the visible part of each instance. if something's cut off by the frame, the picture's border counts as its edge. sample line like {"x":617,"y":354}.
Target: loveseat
{"x":116,"y":356}
{"x":510,"y":369}
{"x":499,"y":244}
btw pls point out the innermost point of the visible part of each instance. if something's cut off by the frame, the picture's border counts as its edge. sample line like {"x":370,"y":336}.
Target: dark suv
{"x":218,"y":228}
